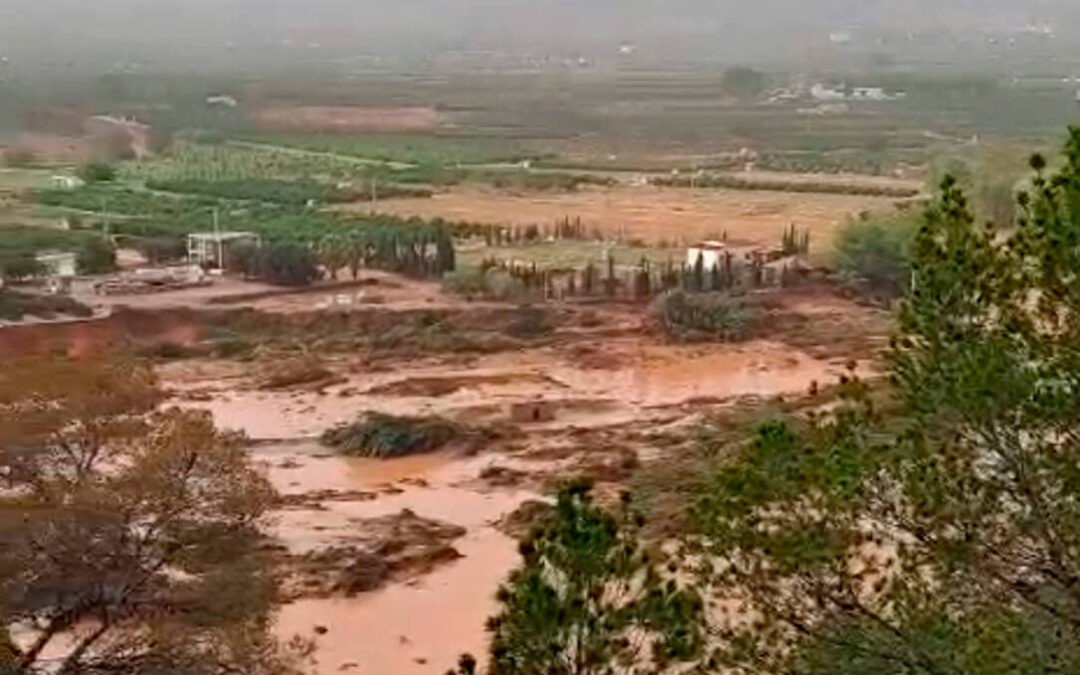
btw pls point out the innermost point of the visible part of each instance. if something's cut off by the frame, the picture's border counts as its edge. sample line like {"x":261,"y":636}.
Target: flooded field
{"x":606,"y":387}
{"x":639,"y":381}
{"x":391,"y":566}
{"x":420,"y":624}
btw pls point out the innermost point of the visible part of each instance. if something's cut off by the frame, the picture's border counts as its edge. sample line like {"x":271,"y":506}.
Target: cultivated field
{"x":346,"y":119}
{"x":652,"y":214}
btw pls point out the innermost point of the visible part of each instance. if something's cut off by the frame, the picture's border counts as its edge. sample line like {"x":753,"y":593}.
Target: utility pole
{"x":220,"y":245}
{"x":105,"y":216}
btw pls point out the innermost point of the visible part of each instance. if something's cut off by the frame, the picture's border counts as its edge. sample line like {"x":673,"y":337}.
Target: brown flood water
{"x":646,"y":377}
{"x":423,"y":625}
{"x":416,"y":627}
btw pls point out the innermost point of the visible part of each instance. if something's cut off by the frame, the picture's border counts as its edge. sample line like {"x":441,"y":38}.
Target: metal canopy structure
{"x":211,"y":249}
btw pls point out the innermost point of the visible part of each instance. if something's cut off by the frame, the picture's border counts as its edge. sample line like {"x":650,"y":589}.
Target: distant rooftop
{"x":710,"y":245}
{"x":44,"y":256}
{"x":220,"y":236}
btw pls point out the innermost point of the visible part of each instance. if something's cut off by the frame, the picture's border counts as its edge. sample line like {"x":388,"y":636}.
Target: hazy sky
{"x":195,"y":30}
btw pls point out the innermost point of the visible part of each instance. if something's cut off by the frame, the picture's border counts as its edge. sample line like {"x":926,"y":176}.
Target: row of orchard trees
{"x":421,"y":251}
{"x":647,"y":279}
{"x":294,"y":258}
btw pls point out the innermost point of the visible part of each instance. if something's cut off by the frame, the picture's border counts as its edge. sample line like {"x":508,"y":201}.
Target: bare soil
{"x":341,"y":119}
{"x":652,"y":214}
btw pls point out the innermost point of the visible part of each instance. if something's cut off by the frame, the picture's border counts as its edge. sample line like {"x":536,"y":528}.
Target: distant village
{"x":831,"y":98}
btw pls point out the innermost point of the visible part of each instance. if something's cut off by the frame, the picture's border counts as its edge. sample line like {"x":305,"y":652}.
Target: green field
{"x":404,"y":148}
{"x":23,"y":179}
{"x":221,"y":162}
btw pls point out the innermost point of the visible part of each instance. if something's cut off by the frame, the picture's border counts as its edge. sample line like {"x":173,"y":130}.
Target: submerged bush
{"x":708,"y":316}
{"x":293,"y":373}
{"x":529,"y":321}
{"x":382,"y":436}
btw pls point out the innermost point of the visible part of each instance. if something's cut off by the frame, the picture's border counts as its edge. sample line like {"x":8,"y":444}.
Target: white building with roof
{"x":711,"y":254}
{"x":58,"y":264}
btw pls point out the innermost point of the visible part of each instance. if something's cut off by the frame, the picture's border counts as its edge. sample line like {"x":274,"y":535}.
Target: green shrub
{"x":96,"y":256}
{"x":97,"y":172}
{"x":742,"y":82}
{"x":709,"y":316}
{"x":877,"y":252}
{"x":162,"y":249}
{"x":382,"y":436}
{"x":502,"y":286}
{"x":285,"y":264}
{"x":18,"y":266}
{"x":468,"y":282}
{"x":491,"y":284}
{"x":18,"y":246}
{"x":14,"y":306}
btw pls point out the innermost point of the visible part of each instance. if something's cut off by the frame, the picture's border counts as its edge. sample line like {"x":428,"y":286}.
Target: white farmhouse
{"x":819,"y":92}
{"x":710,"y":252}
{"x":57,"y":264}
{"x":869,"y":94}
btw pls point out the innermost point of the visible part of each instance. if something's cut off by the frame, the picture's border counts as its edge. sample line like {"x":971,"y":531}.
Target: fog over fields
{"x":196,"y":33}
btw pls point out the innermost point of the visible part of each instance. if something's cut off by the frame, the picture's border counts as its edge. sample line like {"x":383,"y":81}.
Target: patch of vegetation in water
{"x":709,"y":316}
{"x":294,"y":373}
{"x":382,"y":436}
{"x":431,"y":333}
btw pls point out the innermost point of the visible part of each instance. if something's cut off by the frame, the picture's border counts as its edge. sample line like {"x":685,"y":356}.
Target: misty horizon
{"x":197,"y":34}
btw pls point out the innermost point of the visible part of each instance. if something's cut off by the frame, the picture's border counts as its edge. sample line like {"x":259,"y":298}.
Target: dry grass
{"x":654,"y":214}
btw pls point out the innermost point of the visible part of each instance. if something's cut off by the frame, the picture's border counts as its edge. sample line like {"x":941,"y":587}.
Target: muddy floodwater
{"x":421,"y":625}
{"x":423,"y":622}
{"x":641,"y":379}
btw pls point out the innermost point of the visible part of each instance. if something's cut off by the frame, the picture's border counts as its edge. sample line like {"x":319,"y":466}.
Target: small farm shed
{"x":61,"y":182}
{"x":57,"y":264}
{"x":533,"y":411}
{"x":212,"y":249}
{"x":710,"y":252}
